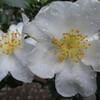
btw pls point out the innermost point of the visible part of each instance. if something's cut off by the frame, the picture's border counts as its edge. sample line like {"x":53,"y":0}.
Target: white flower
{"x":67,"y":45}
{"x":13,"y":54}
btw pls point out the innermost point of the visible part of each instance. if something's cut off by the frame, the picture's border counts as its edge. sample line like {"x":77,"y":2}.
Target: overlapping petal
{"x":92,"y":55}
{"x":23,"y":52}
{"x":76,"y":78}
{"x":13,"y":65}
{"x":52,"y":19}
{"x":43,"y":63}
{"x":3,"y":67}
{"x":1,"y":32}
{"x":55,"y":20}
{"x":17,"y":27}
{"x":32,"y":29}
{"x":89,"y":19}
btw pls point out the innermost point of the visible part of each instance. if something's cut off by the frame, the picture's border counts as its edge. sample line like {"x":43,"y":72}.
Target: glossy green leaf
{"x":15,"y":3}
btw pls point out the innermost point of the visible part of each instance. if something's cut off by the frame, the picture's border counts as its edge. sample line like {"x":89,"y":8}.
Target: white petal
{"x":17,"y":27}
{"x":20,"y":27}
{"x":34,"y":31}
{"x":23,"y":52}
{"x":18,"y":71}
{"x":54,"y":19}
{"x":92,"y":55}
{"x":3,"y":68}
{"x":94,"y":37}
{"x":25,"y":18}
{"x":76,"y":78}
{"x":22,"y":73}
{"x":43,"y":62}
{"x":12,"y":28}
{"x":1,"y":32}
{"x":90,"y":15}
{"x":87,"y":1}
{"x":3,"y":73}
{"x":31,"y":41}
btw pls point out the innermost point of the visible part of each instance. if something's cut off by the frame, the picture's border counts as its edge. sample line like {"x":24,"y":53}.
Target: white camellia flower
{"x":13,"y":54}
{"x":68,"y":46}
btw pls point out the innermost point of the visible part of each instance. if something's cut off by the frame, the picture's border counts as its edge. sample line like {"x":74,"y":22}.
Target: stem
{"x":32,"y":37}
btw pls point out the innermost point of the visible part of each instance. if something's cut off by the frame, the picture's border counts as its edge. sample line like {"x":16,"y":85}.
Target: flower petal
{"x":92,"y":55}
{"x":43,"y":62}
{"x":3,"y":68}
{"x":89,"y":19}
{"x":94,"y":37}
{"x":12,"y":28}
{"x":34,"y":31}
{"x":54,"y":19}
{"x":25,"y":18}
{"x":18,"y":71}
{"x":23,"y":52}
{"x":19,"y":27}
{"x":76,"y":78}
{"x":31,"y":41}
{"x":1,"y":32}
{"x":3,"y":73}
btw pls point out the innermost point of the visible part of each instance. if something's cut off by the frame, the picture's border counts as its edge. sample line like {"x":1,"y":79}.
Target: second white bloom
{"x":13,"y":54}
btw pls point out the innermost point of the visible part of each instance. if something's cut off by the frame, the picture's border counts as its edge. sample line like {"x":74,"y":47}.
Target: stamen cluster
{"x":9,"y":42}
{"x":72,"y":44}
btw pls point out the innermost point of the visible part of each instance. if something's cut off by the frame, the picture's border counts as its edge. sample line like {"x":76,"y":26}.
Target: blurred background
{"x":40,"y":89}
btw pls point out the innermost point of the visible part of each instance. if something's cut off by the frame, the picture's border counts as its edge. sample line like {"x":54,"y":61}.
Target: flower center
{"x":9,"y":42}
{"x":72,"y":44}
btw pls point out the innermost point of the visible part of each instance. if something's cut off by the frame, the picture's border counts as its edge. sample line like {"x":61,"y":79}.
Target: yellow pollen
{"x":72,"y":45}
{"x":9,"y":42}
{"x":72,"y":30}
{"x":77,"y":31}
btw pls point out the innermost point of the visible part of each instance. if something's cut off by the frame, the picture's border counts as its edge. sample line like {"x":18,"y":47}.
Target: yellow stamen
{"x":72,"y":45}
{"x":9,"y":42}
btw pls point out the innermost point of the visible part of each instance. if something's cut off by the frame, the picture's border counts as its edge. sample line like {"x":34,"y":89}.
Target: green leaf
{"x":31,"y":1}
{"x":46,"y":2}
{"x":15,"y":3}
{"x":43,"y":1}
{"x":3,"y":18}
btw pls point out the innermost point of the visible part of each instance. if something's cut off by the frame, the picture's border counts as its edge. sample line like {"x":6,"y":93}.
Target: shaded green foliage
{"x":15,"y":3}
